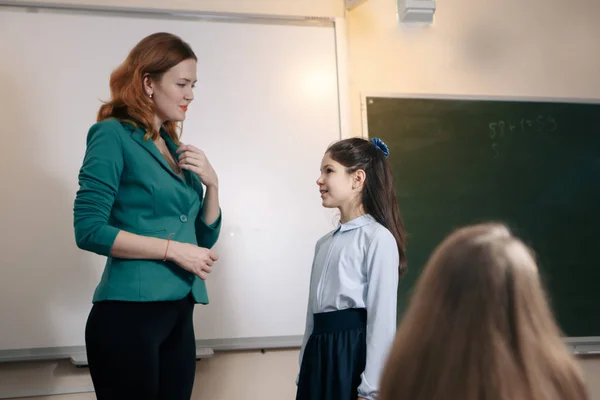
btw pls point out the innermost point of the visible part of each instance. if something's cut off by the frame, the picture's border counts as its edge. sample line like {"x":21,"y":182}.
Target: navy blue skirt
{"x":334,"y":356}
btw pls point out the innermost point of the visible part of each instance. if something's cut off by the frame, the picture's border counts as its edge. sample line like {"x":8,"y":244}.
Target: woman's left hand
{"x":194,"y":159}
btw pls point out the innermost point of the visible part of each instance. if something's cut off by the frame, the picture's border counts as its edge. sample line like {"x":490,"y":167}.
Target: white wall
{"x":492,"y":47}
{"x":496,"y":47}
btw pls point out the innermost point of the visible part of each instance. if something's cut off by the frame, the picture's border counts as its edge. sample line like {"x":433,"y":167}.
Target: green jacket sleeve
{"x":207,"y":235}
{"x":99,"y":179}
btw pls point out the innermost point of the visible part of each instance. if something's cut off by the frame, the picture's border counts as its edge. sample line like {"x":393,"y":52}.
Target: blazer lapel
{"x":173,"y":149}
{"x":148,"y":145}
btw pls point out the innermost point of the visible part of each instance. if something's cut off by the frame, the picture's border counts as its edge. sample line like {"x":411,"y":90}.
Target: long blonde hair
{"x":479,"y":327}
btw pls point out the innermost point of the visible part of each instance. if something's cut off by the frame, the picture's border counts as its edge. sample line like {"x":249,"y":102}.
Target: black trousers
{"x":334,"y":357}
{"x":142,"y":350}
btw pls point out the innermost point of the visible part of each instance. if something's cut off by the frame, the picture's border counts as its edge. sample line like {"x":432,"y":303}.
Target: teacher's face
{"x":173,"y":93}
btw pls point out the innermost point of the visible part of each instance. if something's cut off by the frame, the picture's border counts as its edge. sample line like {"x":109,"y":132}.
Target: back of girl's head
{"x":153,"y":56}
{"x":479,"y":327}
{"x":378,"y":194}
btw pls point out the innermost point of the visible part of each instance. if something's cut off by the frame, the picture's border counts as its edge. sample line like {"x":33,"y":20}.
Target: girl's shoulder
{"x":378,"y":234}
{"x":364,"y":232}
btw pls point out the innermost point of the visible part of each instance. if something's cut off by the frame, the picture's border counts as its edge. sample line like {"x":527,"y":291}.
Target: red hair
{"x":152,"y":56}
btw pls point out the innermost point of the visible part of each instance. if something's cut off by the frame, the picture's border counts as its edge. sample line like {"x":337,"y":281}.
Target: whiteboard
{"x":266,"y":107}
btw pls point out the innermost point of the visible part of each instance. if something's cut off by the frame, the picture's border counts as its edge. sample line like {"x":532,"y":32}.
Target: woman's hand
{"x":197,"y":260}
{"x":194,"y":159}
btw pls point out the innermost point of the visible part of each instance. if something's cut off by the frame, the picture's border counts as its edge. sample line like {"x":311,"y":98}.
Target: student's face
{"x":335,"y":184}
{"x":174,"y":91}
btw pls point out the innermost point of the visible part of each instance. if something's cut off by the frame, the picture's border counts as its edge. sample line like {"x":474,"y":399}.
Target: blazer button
{"x":183,"y":218}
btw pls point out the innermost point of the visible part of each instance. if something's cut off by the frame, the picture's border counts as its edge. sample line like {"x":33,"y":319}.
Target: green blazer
{"x":126,"y":184}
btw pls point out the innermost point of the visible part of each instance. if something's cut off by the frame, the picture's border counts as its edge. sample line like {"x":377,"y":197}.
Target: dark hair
{"x":154,"y":55}
{"x":378,"y":195}
{"x":479,"y":327}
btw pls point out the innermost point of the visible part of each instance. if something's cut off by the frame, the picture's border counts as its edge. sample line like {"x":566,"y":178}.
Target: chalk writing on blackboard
{"x":500,"y":130}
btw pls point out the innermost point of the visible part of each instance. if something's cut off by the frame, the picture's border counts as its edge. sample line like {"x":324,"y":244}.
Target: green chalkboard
{"x":533,"y":165}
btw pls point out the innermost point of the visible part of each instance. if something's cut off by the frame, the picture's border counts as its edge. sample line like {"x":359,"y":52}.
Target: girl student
{"x":351,"y":316}
{"x":479,"y":327}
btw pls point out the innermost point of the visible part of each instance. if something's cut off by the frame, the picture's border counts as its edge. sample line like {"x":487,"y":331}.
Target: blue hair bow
{"x":380,"y":145}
